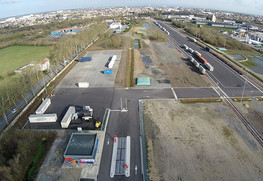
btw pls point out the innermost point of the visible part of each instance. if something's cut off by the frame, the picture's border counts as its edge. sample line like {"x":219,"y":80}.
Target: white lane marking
{"x":175,"y":96}
{"x":216,"y":91}
{"x":108,"y":142}
{"x":135,"y":169}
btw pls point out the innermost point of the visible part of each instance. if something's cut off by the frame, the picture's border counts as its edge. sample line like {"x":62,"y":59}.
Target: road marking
{"x":216,"y":91}
{"x":175,"y":96}
{"x":135,"y":169}
{"x":108,"y":142}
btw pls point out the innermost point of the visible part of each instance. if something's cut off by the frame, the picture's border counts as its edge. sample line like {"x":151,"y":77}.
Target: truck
{"x":201,"y":69}
{"x":201,"y":59}
{"x":193,"y":39}
{"x":209,"y":67}
{"x":185,"y":46}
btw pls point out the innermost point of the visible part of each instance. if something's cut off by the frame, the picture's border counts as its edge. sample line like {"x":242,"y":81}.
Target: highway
{"x":224,"y":76}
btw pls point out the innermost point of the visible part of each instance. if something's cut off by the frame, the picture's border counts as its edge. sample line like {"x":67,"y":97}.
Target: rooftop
{"x":81,"y":144}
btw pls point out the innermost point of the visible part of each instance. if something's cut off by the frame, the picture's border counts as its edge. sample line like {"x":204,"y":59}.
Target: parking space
{"x":92,"y":71}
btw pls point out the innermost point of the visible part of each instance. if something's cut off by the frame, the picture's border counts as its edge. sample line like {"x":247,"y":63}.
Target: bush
{"x":9,"y":73}
{"x":1,"y":77}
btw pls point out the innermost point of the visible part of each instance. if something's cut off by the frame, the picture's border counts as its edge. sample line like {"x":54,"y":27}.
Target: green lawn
{"x":14,"y":57}
{"x":243,"y":52}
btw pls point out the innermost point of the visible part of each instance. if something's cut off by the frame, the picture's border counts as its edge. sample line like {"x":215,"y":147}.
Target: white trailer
{"x":196,"y":63}
{"x":43,"y":106}
{"x":197,"y":53}
{"x":201,"y":69}
{"x":185,"y":46}
{"x":83,"y":84}
{"x":42,"y":118}
{"x":209,"y":67}
{"x":112,"y":61}
{"x":68,"y":116}
{"x":190,"y":50}
{"x":191,"y":58}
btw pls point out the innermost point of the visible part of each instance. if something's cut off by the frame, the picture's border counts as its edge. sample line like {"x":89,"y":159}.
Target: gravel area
{"x":199,"y":142}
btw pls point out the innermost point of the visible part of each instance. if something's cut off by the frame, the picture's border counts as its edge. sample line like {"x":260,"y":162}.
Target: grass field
{"x":14,"y":57}
{"x":243,"y":52}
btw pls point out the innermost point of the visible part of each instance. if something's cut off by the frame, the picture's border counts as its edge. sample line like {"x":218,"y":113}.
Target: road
{"x":224,"y":76}
{"x":125,"y":124}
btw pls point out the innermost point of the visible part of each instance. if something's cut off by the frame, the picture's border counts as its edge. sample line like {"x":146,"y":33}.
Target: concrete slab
{"x":92,"y":71}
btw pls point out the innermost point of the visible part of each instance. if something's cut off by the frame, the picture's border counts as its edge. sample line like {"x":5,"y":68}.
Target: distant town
{"x":246,"y":28}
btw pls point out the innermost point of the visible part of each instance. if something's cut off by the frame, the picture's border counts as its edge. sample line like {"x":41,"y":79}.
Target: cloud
{"x":9,"y":1}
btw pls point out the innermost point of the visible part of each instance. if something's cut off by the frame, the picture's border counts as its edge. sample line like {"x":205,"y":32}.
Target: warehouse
{"x":81,"y":148}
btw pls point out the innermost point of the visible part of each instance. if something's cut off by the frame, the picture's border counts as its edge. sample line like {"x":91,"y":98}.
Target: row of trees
{"x":68,"y":44}
{"x":211,"y":36}
{"x":11,"y":93}
{"x":17,"y":150}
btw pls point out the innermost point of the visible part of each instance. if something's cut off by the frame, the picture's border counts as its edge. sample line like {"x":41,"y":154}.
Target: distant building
{"x":223,"y":25}
{"x":44,"y":64}
{"x":65,"y":30}
{"x":251,"y":27}
{"x":213,"y":18}
{"x":229,"y":21}
{"x":201,"y":22}
{"x":115,"y":25}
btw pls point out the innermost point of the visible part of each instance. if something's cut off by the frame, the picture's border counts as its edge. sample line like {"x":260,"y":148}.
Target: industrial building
{"x":115,"y":25}
{"x":143,"y":81}
{"x":81,"y":148}
{"x":63,"y":31}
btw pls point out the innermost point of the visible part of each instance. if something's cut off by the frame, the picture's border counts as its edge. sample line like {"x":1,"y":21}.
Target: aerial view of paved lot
{"x":92,"y":71}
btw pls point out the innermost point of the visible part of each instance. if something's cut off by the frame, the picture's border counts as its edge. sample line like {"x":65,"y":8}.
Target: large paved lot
{"x":92,"y":71}
{"x":199,"y":142}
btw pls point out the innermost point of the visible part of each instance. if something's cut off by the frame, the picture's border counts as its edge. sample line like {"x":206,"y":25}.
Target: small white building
{"x":44,"y":64}
{"x":213,"y":18}
{"x":115,"y":25}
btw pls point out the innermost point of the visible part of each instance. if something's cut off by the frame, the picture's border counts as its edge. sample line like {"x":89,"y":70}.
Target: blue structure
{"x":107,"y":72}
{"x":84,"y":59}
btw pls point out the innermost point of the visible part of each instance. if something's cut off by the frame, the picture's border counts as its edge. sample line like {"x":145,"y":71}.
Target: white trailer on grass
{"x":68,"y":117}
{"x":43,"y":106}
{"x":42,"y":118}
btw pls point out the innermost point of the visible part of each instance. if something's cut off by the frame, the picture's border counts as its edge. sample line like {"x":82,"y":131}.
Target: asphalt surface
{"x":125,"y":124}
{"x":223,"y":75}
{"x":196,"y":92}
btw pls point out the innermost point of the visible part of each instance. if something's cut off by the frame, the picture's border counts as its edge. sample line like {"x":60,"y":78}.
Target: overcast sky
{"x":19,"y":7}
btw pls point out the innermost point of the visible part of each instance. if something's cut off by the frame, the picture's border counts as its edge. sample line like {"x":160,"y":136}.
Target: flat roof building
{"x":81,"y":148}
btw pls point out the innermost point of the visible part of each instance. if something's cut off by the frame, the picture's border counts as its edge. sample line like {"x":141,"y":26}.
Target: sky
{"x":10,"y":8}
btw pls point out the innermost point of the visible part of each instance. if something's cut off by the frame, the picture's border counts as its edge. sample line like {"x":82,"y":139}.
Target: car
{"x":14,"y":110}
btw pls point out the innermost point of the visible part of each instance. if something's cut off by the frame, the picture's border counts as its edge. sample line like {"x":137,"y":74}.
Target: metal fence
{"x":29,"y":95}
{"x":144,"y":161}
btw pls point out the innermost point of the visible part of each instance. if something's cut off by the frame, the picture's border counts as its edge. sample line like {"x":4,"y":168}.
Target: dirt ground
{"x":201,"y":141}
{"x":253,"y":112}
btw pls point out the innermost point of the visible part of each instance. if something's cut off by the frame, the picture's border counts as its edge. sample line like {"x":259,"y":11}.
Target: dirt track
{"x":199,"y":142}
